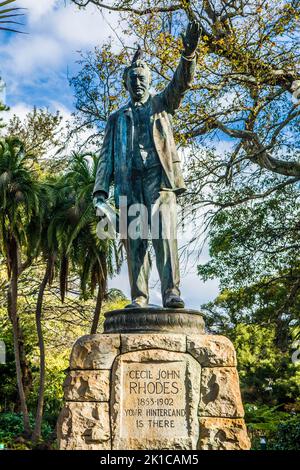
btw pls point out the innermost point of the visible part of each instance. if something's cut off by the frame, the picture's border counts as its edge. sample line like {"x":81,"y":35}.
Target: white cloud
{"x":82,"y":28}
{"x":36,"y":9}
{"x":27,"y":55}
{"x":65,"y":112}
{"x":43,"y":58}
{"x":196,"y":292}
{"x":19,"y":109}
{"x":223,"y":146}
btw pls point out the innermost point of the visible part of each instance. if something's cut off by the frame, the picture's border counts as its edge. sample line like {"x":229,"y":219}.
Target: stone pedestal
{"x":157,"y":383}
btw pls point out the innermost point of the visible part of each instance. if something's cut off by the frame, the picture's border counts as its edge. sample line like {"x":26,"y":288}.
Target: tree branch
{"x":136,"y":11}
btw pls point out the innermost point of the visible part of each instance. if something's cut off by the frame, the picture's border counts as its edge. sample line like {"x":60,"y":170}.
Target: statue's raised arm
{"x":184,"y":74}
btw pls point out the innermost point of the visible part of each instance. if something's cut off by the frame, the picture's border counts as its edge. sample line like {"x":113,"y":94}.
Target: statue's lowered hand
{"x":191,"y":38}
{"x":99,"y":202}
{"x":108,"y":224}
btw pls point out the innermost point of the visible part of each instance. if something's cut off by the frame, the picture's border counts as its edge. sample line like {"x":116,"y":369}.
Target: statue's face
{"x":138,"y":83}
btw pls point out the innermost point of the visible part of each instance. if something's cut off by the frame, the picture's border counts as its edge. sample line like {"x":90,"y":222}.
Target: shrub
{"x":11,"y":430}
{"x":287,"y":436}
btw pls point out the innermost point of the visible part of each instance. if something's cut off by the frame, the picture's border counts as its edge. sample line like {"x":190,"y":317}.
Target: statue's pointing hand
{"x":191,"y":38}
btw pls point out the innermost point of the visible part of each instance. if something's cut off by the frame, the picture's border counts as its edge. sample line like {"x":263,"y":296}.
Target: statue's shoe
{"x":140,"y":302}
{"x":173,"y":301}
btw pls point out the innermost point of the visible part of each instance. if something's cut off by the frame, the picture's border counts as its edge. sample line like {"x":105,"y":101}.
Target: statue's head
{"x":137,"y":78}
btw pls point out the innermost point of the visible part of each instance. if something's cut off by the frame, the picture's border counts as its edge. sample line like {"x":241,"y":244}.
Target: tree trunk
{"x":12,"y":305}
{"x":38,"y":320}
{"x":97,"y":310}
{"x":282,"y":334}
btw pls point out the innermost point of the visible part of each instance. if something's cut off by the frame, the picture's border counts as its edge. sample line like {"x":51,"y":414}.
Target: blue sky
{"x":36,"y":68}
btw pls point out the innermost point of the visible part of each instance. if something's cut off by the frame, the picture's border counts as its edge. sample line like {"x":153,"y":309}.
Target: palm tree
{"x":76,"y":231}
{"x":8,"y":16}
{"x":19,"y":203}
{"x":92,"y":256}
{"x":53,"y":199}
{"x":56,"y":221}
{"x":68,"y":237}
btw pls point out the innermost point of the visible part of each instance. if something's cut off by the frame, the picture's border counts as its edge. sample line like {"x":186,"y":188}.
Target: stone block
{"x":95,"y":351}
{"x":220,"y":393}
{"x":168,"y":342}
{"x":212,"y":350}
{"x":223,"y":434}
{"x":84,"y":426}
{"x":87,"y":385}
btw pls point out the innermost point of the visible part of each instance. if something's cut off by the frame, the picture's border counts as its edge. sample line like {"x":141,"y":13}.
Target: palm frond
{"x":6,"y":15}
{"x":6,"y":2}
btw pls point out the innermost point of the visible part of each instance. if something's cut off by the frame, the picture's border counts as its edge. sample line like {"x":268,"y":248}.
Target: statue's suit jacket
{"x":116,"y":156}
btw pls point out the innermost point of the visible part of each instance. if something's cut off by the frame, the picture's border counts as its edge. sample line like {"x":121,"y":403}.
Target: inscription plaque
{"x":154,"y":400}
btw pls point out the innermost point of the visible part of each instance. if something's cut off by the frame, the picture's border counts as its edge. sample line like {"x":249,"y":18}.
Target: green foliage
{"x":20,"y":194}
{"x":287,"y":435}
{"x":262,"y":366}
{"x":8,"y":384}
{"x":263,"y":234}
{"x":59,"y":339}
{"x":267,"y":374}
{"x":41,"y":133}
{"x":281,"y":429}
{"x":11,"y":430}
{"x":55,"y":376}
{"x":264,"y":418}
{"x":2,"y":108}
{"x":62,"y":325}
{"x":254,"y":253}
{"x":71,"y":230}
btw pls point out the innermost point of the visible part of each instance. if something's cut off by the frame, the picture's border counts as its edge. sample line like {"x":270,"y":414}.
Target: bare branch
{"x":136,"y":11}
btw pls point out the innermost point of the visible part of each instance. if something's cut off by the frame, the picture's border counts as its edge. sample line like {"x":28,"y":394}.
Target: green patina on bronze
{"x":139,"y":155}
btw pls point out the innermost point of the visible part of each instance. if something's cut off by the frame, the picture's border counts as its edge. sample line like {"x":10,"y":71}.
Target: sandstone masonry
{"x":152,"y":391}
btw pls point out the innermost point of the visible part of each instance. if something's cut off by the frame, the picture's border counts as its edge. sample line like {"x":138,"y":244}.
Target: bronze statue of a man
{"x":139,"y":154}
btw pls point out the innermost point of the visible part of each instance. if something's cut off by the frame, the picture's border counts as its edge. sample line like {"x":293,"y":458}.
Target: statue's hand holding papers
{"x":108,"y":223}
